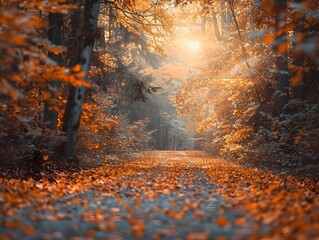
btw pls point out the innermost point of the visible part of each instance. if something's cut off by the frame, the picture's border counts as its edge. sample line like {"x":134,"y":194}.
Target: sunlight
{"x":194,"y":45}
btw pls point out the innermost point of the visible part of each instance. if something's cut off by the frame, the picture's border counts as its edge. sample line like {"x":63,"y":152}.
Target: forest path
{"x":159,"y":195}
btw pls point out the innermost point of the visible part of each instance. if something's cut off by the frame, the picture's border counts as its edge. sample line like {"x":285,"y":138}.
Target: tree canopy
{"x":234,"y":78}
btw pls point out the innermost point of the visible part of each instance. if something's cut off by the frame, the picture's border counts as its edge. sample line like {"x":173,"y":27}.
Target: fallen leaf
{"x":90,"y":233}
{"x":76,"y":201}
{"x":111,"y":227}
{"x":240,"y":221}
{"x":29,"y":230}
{"x":197,"y":236}
{"x":166,"y":191}
{"x":222,"y":221}
{"x":12,"y":224}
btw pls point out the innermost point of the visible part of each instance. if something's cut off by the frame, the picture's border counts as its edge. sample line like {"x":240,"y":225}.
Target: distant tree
{"x":50,"y":116}
{"x":281,"y":46}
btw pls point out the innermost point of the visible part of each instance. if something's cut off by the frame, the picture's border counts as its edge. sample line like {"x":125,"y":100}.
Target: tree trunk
{"x":203,"y":24}
{"x":74,"y":38}
{"x":111,"y":24}
{"x":298,"y":58}
{"x":282,"y":63}
{"x":71,"y":121}
{"x":223,"y":15}
{"x":50,"y":115}
{"x":216,"y":27}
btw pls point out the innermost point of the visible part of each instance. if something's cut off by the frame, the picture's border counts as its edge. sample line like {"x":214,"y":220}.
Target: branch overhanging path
{"x":156,"y":195}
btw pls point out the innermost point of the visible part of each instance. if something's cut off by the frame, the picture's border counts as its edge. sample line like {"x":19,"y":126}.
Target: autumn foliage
{"x":87,"y":86}
{"x":242,"y":111}
{"x":162,"y":194}
{"x":31,"y":64}
{"x":25,"y":72}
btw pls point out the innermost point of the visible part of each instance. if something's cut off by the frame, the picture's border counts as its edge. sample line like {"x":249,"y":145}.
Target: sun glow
{"x":194,"y":45}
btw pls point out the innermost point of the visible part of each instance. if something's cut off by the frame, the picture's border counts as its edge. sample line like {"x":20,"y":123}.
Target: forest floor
{"x":162,"y":195}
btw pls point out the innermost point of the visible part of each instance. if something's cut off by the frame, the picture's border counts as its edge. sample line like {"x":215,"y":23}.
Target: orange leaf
{"x":4,"y":236}
{"x":99,"y":211}
{"x":29,"y":230}
{"x":138,"y":234}
{"x":295,"y":81}
{"x":156,"y":209}
{"x":166,"y":191}
{"x":199,"y":214}
{"x":299,"y":37}
{"x":12,"y":224}
{"x":197,"y":236}
{"x":115,"y":210}
{"x":175,"y":215}
{"x":221,"y":238}
{"x":138,"y":226}
{"x":268,"y":39}
{"x":56,"y":50}
{"x":73,"y":6}
{"x":290,"y":27}
{"x":76,"y":68}
{"x":19,"y":40}
{"x":222,"y":222}
{"x":173,"y":203}
{"x":240,"y":221}
{"x":137,"y":201}
{"x":80,"y":74}
{"x":282,"y":48}
{"x":90,"y":233}
{"x":75,"y":201}
{"x":51,"y":218}
{"x":112,"y":227}
{"x":252,"y":206}
{"x":85,"y":206}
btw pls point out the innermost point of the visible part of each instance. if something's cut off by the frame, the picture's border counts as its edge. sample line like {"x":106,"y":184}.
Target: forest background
{"x":82,"y":80}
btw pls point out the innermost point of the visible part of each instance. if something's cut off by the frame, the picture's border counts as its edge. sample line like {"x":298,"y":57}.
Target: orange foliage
{"x":222,"y":222}
{"x":281,"y":203}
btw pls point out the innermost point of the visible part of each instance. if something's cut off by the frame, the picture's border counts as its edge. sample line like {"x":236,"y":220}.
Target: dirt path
{"x":161,"y":195}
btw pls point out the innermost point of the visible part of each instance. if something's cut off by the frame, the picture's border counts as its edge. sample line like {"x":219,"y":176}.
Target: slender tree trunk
{"x":229,"y":16}
{"x":111,"y":24}
{"x":203,"y":24}
{"x":298,"y":58}
{"x":74,"y":37}
{"x":158,"y":132}
{"x":50,"y":115}
{"x":299,"y":20}
{"x":231,"y":6}
{"x":216,"y":27}
{"x":71,"y":121}
{"x":223,"y":15}
{"x":166,"y":139}
{"x":281,"y":59}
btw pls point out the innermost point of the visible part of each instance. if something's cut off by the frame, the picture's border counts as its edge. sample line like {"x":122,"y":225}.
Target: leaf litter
{"x":161,"y":195}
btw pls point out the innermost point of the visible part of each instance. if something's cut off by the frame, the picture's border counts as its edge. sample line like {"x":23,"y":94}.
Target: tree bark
{"x":216,"y":27}
{"x":50,"y":115}
{"x":74,"y":37}
{"x":231,"y":6}
{"x":298,"y":58}
{"x":223,"y":15}
{"x":281,"y":59}
{"x":71,"y":121}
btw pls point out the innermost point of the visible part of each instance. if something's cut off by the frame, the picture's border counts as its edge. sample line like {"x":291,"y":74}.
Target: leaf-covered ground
{"x":162,"y":195}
